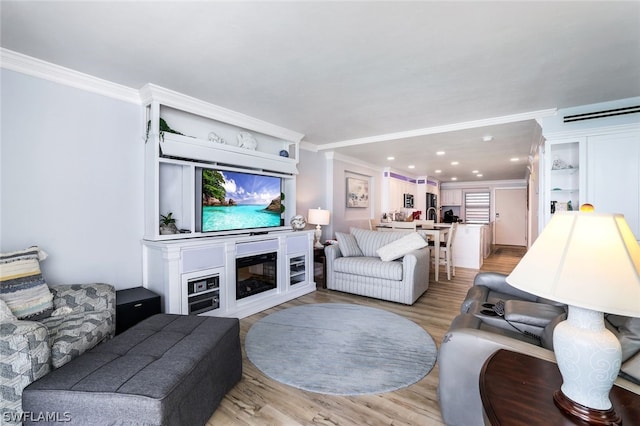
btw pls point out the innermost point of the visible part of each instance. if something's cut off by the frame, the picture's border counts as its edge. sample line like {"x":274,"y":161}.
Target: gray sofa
{"x":354,"y":266}
{"x":471,"y":339}
{"x":31,"y":349}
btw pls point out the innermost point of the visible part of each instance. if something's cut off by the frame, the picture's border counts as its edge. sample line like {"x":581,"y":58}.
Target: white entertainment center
{"x":214,"y":273}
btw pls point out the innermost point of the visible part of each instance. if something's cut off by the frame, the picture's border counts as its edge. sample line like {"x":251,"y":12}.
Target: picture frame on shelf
{"x":357,"y":193}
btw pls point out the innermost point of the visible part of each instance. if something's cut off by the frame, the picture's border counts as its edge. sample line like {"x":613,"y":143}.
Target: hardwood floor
{"x":258,"y":400}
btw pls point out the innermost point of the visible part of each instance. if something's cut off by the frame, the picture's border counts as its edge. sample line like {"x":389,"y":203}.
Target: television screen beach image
{"x":235,"y":201}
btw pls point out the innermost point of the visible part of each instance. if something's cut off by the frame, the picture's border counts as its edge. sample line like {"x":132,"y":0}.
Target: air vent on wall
{"x":602,"y":114}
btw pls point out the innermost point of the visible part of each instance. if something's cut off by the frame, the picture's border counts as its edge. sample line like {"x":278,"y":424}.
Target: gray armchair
{"x":473,"y":337}
{"x":30,"y":349}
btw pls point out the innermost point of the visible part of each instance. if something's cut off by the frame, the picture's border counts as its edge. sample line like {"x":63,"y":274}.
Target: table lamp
{"x":591,"y":262}
{"x":318,"y":217}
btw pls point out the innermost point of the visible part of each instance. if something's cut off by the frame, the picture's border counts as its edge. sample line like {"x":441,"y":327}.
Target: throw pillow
{"x":401,"y":247}
{"x":348,"y":245}
{"x":62,"y":310}
{"x":5,"y":312}
{"x":22,"y":286}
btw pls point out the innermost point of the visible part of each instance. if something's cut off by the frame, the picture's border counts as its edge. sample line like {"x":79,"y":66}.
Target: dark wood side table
{"x":133,"y":305}
{"x":319,"y":257}
{"x":517,"y":389}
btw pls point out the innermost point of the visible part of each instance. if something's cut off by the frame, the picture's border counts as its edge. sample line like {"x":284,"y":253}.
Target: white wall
{"x":71,"y":180}
{"x":311,"y":188}
{"x":339,"y":169}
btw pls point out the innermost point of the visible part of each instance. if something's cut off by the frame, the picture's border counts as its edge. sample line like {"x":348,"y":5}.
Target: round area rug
{"x":340,"y":349}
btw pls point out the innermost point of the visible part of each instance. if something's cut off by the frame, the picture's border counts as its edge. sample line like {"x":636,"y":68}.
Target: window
{"x":477,"y":205}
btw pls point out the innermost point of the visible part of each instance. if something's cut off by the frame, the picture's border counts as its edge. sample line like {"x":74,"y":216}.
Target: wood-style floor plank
{"x":259,"y":400}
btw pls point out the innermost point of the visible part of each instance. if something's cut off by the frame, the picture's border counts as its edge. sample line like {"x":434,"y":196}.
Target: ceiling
{"x":365,"y":79}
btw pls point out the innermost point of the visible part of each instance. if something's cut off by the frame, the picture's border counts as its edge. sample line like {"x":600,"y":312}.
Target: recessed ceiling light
{"x":515,"y":159}
{"x":391,"y":158}
{"x":474,"y":171}
{"x":487,"y":138}
{"x":454,"y":178}
{"x":411,"y":166}
{"x":440,"y":153}
{"x":479,"y":175}
{"x":438,"y":171}
{"x":455,"y":163}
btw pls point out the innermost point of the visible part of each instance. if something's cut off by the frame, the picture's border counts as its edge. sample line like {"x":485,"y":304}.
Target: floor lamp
{"x":591,"y":262}
{"x":318,"y":217}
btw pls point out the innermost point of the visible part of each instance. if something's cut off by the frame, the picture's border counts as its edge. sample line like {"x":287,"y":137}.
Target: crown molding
{"x":532,"y":115}
{"x":309,"y":146}
{"x":24,"y":64}
{"x":336,"y":156}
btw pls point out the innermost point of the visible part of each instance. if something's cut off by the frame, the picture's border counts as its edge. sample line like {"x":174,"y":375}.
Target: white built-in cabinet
{"x":599,"y":166}
{"x":451,"y":197}
{"x":171,"y":265}
{"x":171,"y":160}
{"x":613,"y":178}
{"x":209,"y":138}
{"x":398,"y":188}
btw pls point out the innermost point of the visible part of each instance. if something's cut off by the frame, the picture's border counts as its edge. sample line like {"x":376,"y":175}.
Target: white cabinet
{"x":468,"y":246}
{"x":599,"y":166}
{"x":451,"y":197}
{"x":613,"y":178}
{"x":397,"y":190}
{"x":172,"y":268}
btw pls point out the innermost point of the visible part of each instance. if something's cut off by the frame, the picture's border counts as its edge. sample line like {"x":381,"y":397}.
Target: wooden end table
{"x":517,"y":389}
{"x":319,"y":257}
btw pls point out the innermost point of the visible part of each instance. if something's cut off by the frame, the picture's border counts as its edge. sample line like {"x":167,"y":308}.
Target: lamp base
{"x":591,"y":416}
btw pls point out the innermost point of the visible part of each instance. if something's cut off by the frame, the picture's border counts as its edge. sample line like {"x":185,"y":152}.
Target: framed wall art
{"x":357,"y":192}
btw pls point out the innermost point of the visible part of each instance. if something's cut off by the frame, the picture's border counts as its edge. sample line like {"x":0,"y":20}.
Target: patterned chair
{"x":30,"y":349}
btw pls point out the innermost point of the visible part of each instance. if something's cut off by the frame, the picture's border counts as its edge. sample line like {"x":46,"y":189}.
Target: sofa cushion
{"x":22,"y":286}
{"x":369,"y":267}
{"x":5,"y":312}
{"x":401,"y":247}
{"x":72,"y":335}
{"x":348,"y":245}
{"x":370,"y":241}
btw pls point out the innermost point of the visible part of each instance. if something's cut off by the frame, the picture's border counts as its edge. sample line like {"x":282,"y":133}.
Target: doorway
{"x":511,"y":216}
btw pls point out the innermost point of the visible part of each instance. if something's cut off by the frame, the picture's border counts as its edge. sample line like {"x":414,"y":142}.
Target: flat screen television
{"x":237,"y":201}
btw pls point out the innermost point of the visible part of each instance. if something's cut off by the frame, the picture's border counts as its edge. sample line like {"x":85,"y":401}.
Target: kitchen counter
{"x":472,"y":244}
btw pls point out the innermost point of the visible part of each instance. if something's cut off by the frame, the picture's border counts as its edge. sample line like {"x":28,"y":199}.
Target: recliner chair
{"x":473,"y":338}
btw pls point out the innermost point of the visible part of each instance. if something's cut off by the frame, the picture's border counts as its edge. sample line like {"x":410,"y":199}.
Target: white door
{"x":511,"y":216}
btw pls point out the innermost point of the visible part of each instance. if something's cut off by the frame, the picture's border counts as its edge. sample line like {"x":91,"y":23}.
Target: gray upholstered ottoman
{"x":166,"y":370}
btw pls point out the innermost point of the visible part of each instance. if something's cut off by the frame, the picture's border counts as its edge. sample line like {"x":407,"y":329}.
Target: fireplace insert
{"x":256,"y":274}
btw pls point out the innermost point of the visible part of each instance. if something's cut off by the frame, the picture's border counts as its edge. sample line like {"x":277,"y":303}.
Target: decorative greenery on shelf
{"x":168,"y":224}
{"x":164,"y":127}
{"x":168,"y":219}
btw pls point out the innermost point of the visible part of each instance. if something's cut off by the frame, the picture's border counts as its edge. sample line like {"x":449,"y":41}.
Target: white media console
{"x":175,"y":269}
{"x":199,"y":273}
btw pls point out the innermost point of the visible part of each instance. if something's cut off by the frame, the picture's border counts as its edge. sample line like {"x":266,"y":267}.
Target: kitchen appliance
{"x":432,"y":207}
{"x":449,"y":217}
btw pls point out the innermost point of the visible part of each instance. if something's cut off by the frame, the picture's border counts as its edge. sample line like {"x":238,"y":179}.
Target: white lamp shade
{"x":584,"y":259}
{"x":318,"y":216}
